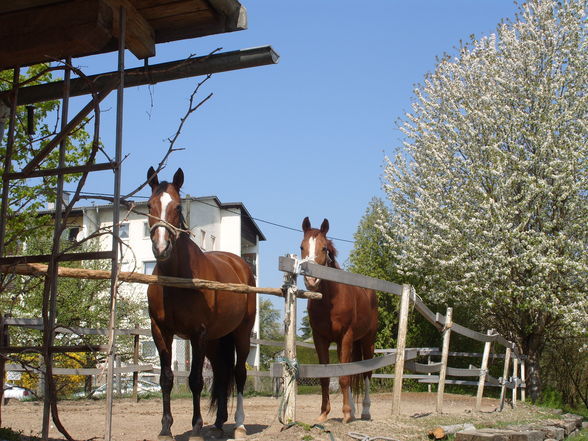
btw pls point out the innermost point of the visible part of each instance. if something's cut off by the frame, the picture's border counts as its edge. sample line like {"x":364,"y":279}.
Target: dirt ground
{"x":139,"y":421}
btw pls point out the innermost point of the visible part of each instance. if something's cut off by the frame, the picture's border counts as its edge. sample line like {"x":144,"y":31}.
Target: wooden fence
{"x":401,"y":358}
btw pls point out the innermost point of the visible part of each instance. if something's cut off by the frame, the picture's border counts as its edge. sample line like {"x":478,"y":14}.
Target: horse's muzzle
{"x":162,"y":255}
{"x":312,"y":283}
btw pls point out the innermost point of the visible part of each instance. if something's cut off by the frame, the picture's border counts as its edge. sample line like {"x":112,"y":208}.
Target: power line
{"x":275,"y":224}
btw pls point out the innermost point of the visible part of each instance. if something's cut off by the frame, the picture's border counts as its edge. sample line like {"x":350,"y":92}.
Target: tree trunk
{"x":532,"y":347}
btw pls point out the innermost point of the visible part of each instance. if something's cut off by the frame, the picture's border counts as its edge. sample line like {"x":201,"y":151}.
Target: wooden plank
{"x":55,"y":349}
{"x":24,"y":4}
{"x":140,"y":36}
{"x":289,"y":373}
{"x":504,"y":378}
{"x":36,"y":269}
{"x":423,"y":368}
{"x":463,"y":372}
{"x":174,"y":70}
{"x":445,"y":349}
{"x":483,"y":372}
{"x":342,"y":369}
{"x":76,"y":28}
{"x":14,"y":262}
{"x":400,"y":346}
{"x":322,"y":272}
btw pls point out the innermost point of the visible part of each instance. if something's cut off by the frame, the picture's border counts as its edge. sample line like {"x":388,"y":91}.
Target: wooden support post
{"x":504,"y":378}
{"x":483,"y":371}
{"x":3,"y":342}
{"x":290,"y":362}
{"x":444,"y":356}
{"x":400,"y":349}
{"x":136,"y":361}
{"x":429,"y":386}
{"x":523,"y":380}
{"x":515,"y":375}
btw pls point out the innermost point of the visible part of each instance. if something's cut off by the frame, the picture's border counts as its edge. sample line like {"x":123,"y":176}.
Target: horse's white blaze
{"x":312,"y":249}
{"x":165,"y":199}
{"x":240,"y":412}
{"x":365,"y":412}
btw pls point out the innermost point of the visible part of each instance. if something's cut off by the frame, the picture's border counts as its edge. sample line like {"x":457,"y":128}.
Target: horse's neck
{"x":184,"y":259}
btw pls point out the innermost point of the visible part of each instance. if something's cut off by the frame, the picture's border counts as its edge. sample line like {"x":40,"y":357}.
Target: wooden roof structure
{"x":35,"y":31}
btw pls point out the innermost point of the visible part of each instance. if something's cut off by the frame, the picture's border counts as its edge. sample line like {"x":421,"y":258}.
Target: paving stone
{"x":568,"y":426}
{"x":577,"y":419}
{"x":554,"y":432}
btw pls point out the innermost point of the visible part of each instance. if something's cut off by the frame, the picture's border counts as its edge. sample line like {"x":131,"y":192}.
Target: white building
{"x":214,"y":226}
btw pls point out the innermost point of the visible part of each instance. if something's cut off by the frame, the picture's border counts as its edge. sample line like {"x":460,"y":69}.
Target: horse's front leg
{"x":196,"y":384}
{"x":322,"y":349}
{"x":163,"y":342}
{"x":344,"y":349}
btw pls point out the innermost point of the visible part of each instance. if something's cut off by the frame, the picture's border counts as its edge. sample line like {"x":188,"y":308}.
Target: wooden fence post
{"x":290,"y":363}
{"x":515,"y":374}
{"x":444,"y":356}
{"x":400,"y":349}
{"x":523,"y":380}
{"x":504,"y":378}
{"x":3,"y":342}
{"x":136,"y":361}
{"x":483,"y":371}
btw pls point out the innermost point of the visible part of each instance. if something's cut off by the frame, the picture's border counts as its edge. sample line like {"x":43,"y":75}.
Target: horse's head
{"x":165,"y":213}
{"x":316,"y":248}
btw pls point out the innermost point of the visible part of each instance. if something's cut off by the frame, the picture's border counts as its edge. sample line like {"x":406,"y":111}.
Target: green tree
{"x":372,"y":256}
{"x":28,"y":197}
{"x":488,"y":195}
{"x":269,"y":329}
{"x":305,"y":331}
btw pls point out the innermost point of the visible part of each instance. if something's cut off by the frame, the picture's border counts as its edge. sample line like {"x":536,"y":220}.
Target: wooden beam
{"x":140,"y":36}
{"x":36,"y":269}
{"x":191,"y":67}
{"x":66,"y":257}
{"x":64,"y":171}
{"x":53,"y":32}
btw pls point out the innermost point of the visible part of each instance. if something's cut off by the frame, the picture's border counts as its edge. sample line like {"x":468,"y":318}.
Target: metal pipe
{"x":115,"y":222}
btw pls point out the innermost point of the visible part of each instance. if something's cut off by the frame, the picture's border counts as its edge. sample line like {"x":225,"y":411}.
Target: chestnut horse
{"x":217,"y":323}
{"x":346,"y":315}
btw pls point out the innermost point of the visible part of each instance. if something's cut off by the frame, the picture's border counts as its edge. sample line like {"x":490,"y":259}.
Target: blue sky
{"x":305,"y":137}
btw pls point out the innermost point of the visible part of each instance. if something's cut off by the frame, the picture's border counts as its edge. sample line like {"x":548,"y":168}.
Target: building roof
{"x":35,"y":31}
{"x":248,"y":222}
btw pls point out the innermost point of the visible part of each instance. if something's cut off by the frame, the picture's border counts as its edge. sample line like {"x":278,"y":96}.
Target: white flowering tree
{"x":489,"y":193}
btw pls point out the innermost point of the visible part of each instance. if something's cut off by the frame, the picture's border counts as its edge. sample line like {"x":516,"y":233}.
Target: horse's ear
{"x":179,"y":178}
{"x":306,"y":224}
{"x":152,"y":178}
{"x":325,"y":227}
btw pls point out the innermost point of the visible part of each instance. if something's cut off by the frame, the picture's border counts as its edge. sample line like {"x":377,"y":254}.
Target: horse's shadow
{"x":208,"y":432}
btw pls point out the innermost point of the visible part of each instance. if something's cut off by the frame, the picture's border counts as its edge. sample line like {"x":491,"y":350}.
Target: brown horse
{"x":217,"y":323}
{"x":346,"y":315}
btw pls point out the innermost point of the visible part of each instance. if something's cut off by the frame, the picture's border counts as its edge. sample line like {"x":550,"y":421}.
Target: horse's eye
{"x":149,"y":206}
{"x":325,"y":249}
{"x":301,"y":247}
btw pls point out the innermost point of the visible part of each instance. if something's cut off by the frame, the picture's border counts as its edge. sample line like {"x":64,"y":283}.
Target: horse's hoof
{"x":366,"y":417}
{"x":322,"y":418}
{"x":240,"y":433}
{"x":348,"y":418}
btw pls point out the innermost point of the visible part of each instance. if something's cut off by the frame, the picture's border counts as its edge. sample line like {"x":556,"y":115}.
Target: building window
{"x":203,"y":239}
{"x":146,"y":230}
{"x":212,"y":242}
{"x":148,"y":266}
{"x":124,"y":230}
{"x":71,"y":233}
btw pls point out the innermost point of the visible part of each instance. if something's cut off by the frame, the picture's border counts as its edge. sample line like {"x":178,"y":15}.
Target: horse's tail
{"x":223,"y":371}
{"x":357,"y":384}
